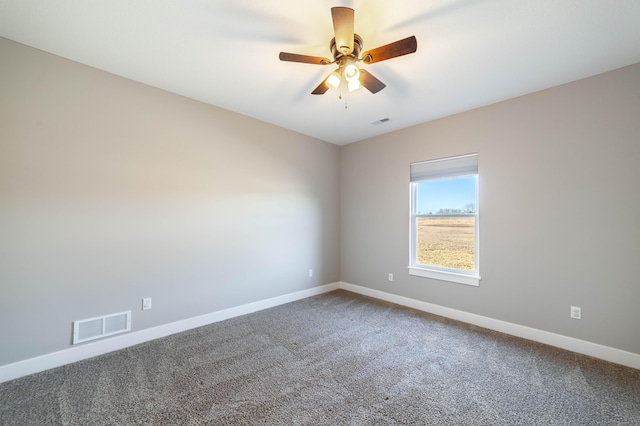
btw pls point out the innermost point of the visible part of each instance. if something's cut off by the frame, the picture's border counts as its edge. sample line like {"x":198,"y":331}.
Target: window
{"x":444,"y":219}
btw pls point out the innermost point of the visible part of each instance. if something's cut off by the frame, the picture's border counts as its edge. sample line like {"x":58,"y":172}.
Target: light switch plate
{"x":146,"y":303}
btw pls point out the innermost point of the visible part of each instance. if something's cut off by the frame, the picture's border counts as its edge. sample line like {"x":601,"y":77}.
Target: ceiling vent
{"x":381,"y":121}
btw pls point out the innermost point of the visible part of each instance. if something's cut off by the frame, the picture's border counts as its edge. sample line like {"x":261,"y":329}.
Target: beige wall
{"x":111,"y":191}
{"x":559,"y":207}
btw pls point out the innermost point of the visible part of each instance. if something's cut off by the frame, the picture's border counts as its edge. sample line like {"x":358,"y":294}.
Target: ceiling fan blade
{"x":391,"y":50}
{"x":322,"y":88}
{"x":371,"y":83}
{"x":305,"y":59}
{"x":343,"y":18}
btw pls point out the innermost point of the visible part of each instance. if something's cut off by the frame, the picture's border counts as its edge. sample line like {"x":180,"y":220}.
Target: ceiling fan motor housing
{"x":357,"y":48}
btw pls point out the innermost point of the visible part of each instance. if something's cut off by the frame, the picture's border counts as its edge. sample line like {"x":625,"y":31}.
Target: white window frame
{"x":444,"y":168}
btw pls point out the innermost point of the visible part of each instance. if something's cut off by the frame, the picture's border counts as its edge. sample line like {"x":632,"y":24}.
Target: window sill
{"x":473,"y":280}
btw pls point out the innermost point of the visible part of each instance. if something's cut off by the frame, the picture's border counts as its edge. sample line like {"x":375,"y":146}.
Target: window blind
{"x":445,"y":168}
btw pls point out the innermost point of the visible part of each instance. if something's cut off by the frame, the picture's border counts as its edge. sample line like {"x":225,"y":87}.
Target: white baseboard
{"x":100,"y":347}
{"x":89,"y":350}
{"x":595,"y":350}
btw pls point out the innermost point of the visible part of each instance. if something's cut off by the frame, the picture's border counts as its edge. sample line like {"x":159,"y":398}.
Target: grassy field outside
{"x":446,"y":242}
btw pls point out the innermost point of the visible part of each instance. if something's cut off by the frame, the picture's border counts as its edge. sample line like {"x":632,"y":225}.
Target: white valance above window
{"x":445,"y":168}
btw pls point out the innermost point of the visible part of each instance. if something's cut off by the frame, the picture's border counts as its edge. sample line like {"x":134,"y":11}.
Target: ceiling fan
{"x":345,"y":48}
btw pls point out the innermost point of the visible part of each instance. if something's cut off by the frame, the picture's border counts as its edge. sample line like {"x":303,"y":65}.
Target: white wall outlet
{"x":576,"y":312}
{"x":146,"y":303}
{"x":310,"y":273}
{"x":390,"y":277}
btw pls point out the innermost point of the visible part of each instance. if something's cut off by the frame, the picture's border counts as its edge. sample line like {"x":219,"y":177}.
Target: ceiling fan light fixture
{"x":354,"y":85}
{"x":351,"y":72}
{"x":333,"y":81}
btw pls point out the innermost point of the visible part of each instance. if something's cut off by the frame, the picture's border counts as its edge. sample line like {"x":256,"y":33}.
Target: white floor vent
{"x":95,"y":328}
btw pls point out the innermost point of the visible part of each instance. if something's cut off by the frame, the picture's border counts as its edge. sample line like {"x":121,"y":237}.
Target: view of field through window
{"x":446,"y":242}
{"x":444,"y":214}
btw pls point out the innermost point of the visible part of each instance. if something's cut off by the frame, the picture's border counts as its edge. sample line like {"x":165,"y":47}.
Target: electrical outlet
{"x":576,"y":312}
{"x":146,"y":303}
{"x":390,"y":277}
{"x":310,"y":273}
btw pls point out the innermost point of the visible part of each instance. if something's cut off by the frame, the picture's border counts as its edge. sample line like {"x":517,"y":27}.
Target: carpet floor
{"x":334,"y":359}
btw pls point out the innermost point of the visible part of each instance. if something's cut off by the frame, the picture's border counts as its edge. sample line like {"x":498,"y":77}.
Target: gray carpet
{"x":334,"y":359}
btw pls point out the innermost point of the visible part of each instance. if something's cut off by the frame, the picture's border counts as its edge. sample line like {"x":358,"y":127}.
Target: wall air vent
{"x":95,"y":328}
{"x":381,"y":121}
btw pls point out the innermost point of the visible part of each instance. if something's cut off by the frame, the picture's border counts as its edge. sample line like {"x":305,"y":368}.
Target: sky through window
{"x":454,"y":194}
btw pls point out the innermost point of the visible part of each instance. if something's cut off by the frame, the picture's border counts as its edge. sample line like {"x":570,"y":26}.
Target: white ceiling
{"x":225,"y":52}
